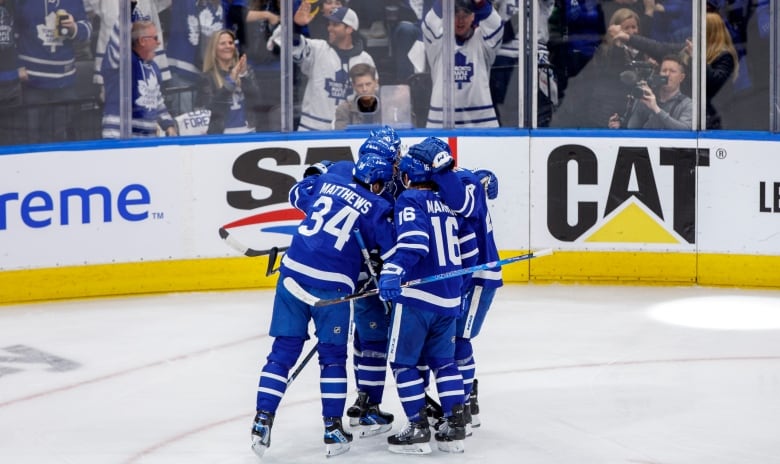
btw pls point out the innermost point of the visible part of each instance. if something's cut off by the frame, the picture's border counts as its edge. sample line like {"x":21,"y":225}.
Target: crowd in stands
{"x":213,"y":66}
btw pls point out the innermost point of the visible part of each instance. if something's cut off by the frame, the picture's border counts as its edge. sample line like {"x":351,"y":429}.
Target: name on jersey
{"x":438,"y":207}
{"x":350,"y":196}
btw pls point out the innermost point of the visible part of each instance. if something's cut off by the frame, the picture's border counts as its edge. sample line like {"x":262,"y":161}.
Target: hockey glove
{"x":433,"y":152}
{"x":390,"y":282}
{"x":490,"y":181}
{"x":317,"y":168}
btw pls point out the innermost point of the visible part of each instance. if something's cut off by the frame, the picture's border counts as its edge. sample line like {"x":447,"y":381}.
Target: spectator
{"x":327,"y":64}
{"x":140,"y":10}
{"x":721,"y":59}
{"x":478,"y":34}
{"x":363,"y":107}
{"x":597,"y":92}
{"x":149,"y":109}
{"x":722,"y":64}
{"x":226,"y":85}
{"x":10,"y":75}
{"x":670,"y":109}
{"x":46,"y":50}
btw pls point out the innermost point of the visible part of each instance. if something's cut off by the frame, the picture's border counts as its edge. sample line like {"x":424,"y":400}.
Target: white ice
{"x":568,"y":374}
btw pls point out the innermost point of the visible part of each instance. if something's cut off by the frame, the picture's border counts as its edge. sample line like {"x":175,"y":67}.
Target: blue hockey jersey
{"x":324,"y":252}
{"x":462,"y":191}
{"x":428,"y":243}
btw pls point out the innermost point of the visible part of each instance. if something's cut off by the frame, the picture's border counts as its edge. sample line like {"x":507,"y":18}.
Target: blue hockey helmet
{"x":373,"y":168}
{"x":389,"y":135}
{"x":416,"y":170}
{"x":378,"y":146}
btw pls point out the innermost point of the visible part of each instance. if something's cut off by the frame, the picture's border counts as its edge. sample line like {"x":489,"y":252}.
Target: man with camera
{"x":669,"y":109}
{"x":363,"y":106}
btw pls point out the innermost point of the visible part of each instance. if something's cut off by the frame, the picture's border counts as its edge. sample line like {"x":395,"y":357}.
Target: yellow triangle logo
{"x":632,"y":224}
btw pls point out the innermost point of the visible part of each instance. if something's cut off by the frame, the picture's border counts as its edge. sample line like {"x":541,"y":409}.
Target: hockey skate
{"x":358,"y":409}
{"x":261,"y":432}
{"x":413,"y":439}
{"x":451,"y":433}
{"x":474,"y":406}
{"x":336,"y":438}
{"x":374,"y":421}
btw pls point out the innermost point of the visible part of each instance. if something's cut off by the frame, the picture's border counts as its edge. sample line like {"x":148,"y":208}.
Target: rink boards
{"x":140,"y":217}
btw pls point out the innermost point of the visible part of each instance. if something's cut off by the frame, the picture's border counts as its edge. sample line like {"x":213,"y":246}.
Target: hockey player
{"x":369,"y":355}
{"x":478,"y":34}
{"x":424,"y":317}
{"x":371,"y":317}
{"x":467,"y":192}
{"x":323,"y":261}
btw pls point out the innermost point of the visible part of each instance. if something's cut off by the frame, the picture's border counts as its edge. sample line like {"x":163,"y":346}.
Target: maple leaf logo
{"x":339,"y":88}
{"x":464,"y":70}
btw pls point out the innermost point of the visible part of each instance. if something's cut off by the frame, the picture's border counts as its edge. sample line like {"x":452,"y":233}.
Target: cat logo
{"x":633,"y":210}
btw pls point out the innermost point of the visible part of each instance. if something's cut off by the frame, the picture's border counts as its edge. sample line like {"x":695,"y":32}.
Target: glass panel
{"x":349,"y":50}
{"x":621,"y":65}
{"x":737,"y":65}
{"x":226,"y":73}
{"x":504,"y":73}
{"x":46,"y":72}
{"x":461,"y":66}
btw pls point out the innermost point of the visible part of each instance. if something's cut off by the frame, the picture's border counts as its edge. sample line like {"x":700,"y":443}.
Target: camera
{"x":62,"y":31}
{"x":642,"y":71}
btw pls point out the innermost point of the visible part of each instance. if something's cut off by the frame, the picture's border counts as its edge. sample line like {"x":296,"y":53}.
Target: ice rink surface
{"x":568,"y":375}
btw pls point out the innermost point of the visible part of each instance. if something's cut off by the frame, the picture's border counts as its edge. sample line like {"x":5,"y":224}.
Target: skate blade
{"x":258,"y":448}
{"x":374,"y":429}
{"x":414,"y":448}
{"x":468,"y":430}
{"x":475,"y":422}
{"x":454,"y":446}
{"x":334,"y":449}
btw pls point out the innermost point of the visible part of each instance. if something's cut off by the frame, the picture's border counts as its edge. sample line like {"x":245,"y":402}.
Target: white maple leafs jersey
{"x":472,"y":62}
{"x":328,"y":83}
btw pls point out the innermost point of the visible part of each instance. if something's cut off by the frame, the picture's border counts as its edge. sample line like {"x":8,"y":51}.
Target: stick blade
{"x":543,"y":252}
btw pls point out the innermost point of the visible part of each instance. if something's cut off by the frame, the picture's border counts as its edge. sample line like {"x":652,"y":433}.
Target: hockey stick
{"x":272,"y":254}
{"x":303,"y":364}
{"x":371,"y":270}
{"x":433,"y":278}
{"x":245,"y":250}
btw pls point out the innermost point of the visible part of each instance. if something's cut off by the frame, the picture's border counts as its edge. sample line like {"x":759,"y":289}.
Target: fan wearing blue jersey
{"x":467,"y":193}
{"x":323,"y":262}
{"x":424,"y":317}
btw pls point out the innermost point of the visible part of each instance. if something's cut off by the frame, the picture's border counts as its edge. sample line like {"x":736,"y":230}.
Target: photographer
{"x":363,"y":106}
{"x":670,"y":109}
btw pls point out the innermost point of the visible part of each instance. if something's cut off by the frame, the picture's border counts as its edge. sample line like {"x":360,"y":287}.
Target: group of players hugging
{"x":387,"y":219}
